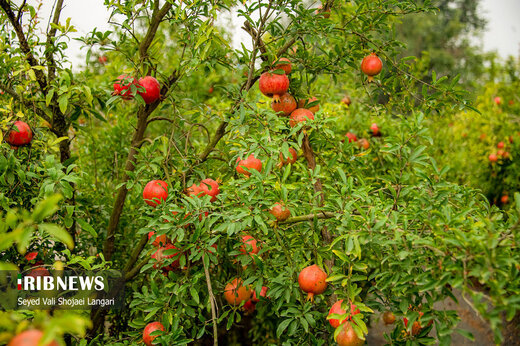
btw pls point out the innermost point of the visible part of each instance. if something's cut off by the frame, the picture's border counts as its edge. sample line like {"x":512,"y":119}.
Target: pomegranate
{"x":498,"y":100}
{"x":351,"y":137}
{"x":149,"y":329}
{"x":280,"y":212}
{"x":416,"y":327}
{"x":291,"y":159}
{"x":159,"y":256}
{"x":30,"y":256}
{"x":30,"y":337}
{"x":210,"y":187}
{"x":500,"y":153}
{"x":504,"y":199}
{"x":249,"y":307}
{"x":102,"y":60}
{"x":312,"y":281}
{"x":123,"y":86}
{"x":306,"y":103}
{"x":371,"y":66}
{"x":159,"y":240}
{"x":500,"y":145}
{"x":348,"y":337}
{"x":38,"y":272}
{"x":263,"y":293}
{"x":248,"y":242}
{"x":235,"y":293}
{"x":389,"y":317}
{"x":273,"y":85}
{"x":284,"y":64}
{"x":250,"y":163}
{"x":363,"y":143}
{"x":346,"y":101}
{"x":300,"y":115}
{"x":493,"y":158}
{"x":375,"y":129}
{"x":152,"y":89}
{"x":195,"y":191}
{"x":20,"y":134}
{"x":155,"y":192}
{"x":286,"y":105}
{"x":210,"y":90}
{"x":336,"y":309}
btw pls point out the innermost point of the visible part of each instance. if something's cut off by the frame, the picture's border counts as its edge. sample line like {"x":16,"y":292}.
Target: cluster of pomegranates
{"x":501,"y":153}
{"x":363,"y":142}
{"x":19,"y":134}
{"x":147,"y":87}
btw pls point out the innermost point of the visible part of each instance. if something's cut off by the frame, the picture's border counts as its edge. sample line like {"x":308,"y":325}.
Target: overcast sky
{"x":502,"y":34}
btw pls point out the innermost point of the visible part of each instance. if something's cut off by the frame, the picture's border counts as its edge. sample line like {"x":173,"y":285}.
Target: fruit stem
{"x":276,"y":98}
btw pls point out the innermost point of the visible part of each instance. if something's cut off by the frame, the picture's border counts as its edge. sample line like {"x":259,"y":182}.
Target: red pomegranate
{"x":38,"y":272}
{"x":416,"y":327}
{"x":152,"y":89}
{"x":158,"y":240}
{"x":280,"y":212}
{"x":235,"y":293}
{"x":351,"y":137}
{"x":498,"y":100}
{"x":312,"y":281}
{"x":149,"y":329}
{"x":123,"y":86}
{"x":155,"y":192}
{"x":336,"y":309}
{"x":290,"y":160}
{"x":300,"y":115}
{"x":30,"y":337}
{"x":30,"y":256}
{"x":273,"y":85}
{"x":248,"y":242}
{"x":284,"y":64}
{"x":195,"y":191}
{"x":159,"y":256}
{"x":500,"y":153}
{"x":504,"y":199}
{"x":102,"y":60}
{"x":20,"y":134}
{"x":305,"y":104}
{"x":363,"y":143}
{"x":250,"y":163}
{"x":249,"y":307}
{"x":500,"y":145}
{"x":371,"y":66}
{"x":263,"y":293}
{"x":286,"y":105}
{"x":211,"y":188}
{"x":348,"y":337}
{"x":375,"y":129}
{"x":346,"y":101}
{"x":389,"y":317}
{"x":493,"y":158}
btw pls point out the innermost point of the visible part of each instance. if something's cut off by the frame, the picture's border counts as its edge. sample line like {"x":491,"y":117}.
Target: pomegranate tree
{"x":312,"y":281}
{"x":155,"y":192}
{"x":152,"y":89}
{"x":149,"y":329}
{"x":273,"y":85}
{"x":371,"y":66}
{"x":20,"y":134}
{"x":286,"y":105}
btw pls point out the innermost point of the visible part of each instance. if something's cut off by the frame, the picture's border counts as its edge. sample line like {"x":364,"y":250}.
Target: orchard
{"x":311,"y":185}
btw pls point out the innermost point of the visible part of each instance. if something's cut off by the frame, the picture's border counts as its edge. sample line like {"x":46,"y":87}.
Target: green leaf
{"x":57,"y":232}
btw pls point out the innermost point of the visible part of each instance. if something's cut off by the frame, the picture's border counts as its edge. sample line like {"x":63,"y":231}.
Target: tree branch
{"x":157,"y":17}
{"x":212,"y":301}
{"x":309,"y":217}
{"x":49,"y":49}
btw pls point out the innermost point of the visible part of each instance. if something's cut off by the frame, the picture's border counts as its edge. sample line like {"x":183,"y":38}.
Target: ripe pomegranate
{"x":235,"y":293}
{"x":273,"y":85}
{"x":493,"y":158}
{"x":300,"y":115}
{"x":336,"y":309}
{"x":155,"y":192}
{"x":500,"y":145}
{"x":102,"y":60}
{"x":249,"y":307}
{"x":363,"y":143}
{"x":416,"y":327}
{"x":149,"y":329}
{"x":506,"y":155}
{"x":152,"y":89}
{"x":312,"y":281}
{"x":210,"y":187}
{"x":500,"y":153}
{"x":284,"y":64}
{"x":38,"y":272}
{"x":20,"y":134}
{"x":286,"y":105}
{"x":389,"y":317}
{"x":210,"y":90}
{"x":498,"y":100}
{"x":351,"y":137}
{"x":348,"y":337}
{"x":123,"y":86}
{"x":375,"y":129}
{"x":292,"y":159}
{"x":263,"y":293}
{"x":346,"y":101}
{"x":248,"y":242}
{"x":305,"y":104}
{"x":30,"y":256}
{"x":280,"y":212}
{"x":195,"y":191}
{"x":159,"y":256}
{"x":159,"y":240}
{"x":30,"y":337}
{"x":371,"y":66}
{"x":504,"y":199}
{"x":250,"y":163}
